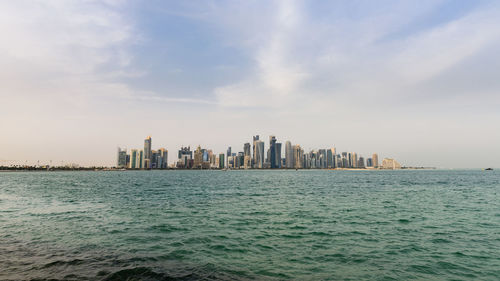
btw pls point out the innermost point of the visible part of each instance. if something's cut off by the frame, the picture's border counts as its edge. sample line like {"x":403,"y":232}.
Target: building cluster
{"x":253,"y":156}
{"x":143,"y":158}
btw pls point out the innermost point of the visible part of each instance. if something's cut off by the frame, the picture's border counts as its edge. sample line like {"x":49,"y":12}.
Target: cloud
{"x":351,"y":62}
{"x":361,"y":74}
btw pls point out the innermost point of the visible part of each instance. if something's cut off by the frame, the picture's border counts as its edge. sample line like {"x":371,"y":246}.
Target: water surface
{"x":250,"y":225}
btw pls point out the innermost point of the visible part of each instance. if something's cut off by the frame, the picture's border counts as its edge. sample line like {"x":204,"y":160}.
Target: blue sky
{"x":413,"y":80}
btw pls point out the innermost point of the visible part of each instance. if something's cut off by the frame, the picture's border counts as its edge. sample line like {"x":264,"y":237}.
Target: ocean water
{"x":250,"y":225}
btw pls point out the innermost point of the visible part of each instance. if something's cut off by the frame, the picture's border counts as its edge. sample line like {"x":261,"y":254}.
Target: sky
{"x":418,"y":81}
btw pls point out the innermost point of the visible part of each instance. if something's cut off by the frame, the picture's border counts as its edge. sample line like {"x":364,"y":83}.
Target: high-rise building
{"x":354,"y":160}
{"x":278,"y":155}
{"x":133,"y":159}
{"x":247,"y":162}
{"x":298,"y":156}
{"x":221,"y":161}
{"x":185,"y":155}
{"x":147,"y":153}
{"x":369,"y":162}
{"x":329,"y":159}
{"x":240,"y":159}
{"x":246,"y":149}
{"x":228,"y":154}
{"x":212,"y":159}
{"x":361,"y":162}
{"x":140,"y":159}
{"x":330,"y":155}
{"x":389,"y":163}
{"x":162,"y":162}
{"x":375,"y":160}
{"x":323,"y":159}
{"x":185,"y":151}
{"x":272,"y":152}
{"x":198,"y":158}
{"x":254,"y":156}
{"x":259,"y":155}
{"x":204,"y":152}
{"x":339,"y":161}
{"x":346,"y":163}
{"x":121,"y":161}
{"x":289,"y":155}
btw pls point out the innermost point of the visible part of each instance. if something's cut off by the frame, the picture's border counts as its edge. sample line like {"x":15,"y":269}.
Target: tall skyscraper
{"x":289,"y":155}
{"x":345,"y":160}
{"x":254,"y":156}
{"x":298,"y":156}
{"x":361,"y":162}
{"x":163,"y":158}
{"x":323,"y":159}
{"x":259,"y":155}
{"x":147,"y":152}
{"x":140,"y":159}
{"x":375,"y":160}
{"x":133,"y":159}
{"x":272,"y":151}
{"x":198,"y":158}
{"x":246,"y":149}
{"x":278,"y":161}
{"x":221,"y":161}
{"x":329,"y":159}
{"x":228,"y":154}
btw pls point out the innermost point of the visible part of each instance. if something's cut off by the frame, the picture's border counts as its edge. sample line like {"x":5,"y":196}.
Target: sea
{"x":250,"y":225}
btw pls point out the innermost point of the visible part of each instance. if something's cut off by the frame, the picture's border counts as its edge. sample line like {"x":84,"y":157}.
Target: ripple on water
{"x":256,"y":225}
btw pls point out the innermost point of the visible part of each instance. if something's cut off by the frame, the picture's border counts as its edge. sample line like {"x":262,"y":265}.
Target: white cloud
{"x":353,"y":80}
{"x":349,"y":61}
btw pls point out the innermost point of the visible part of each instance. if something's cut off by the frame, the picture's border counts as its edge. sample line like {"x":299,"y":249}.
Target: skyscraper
{"x":147,"y":153}
{"x":361,"y":162}
{"x":345,"y":160}
{"x":133,"y":159}
{"x":184,"y":157}
{"x":298,"y":156}
{"x":254,"y":157}
{"x":375,"y":160}
{"x":221,"y":161}
{"x":228,"y":154}
{"x":163,"y":158}
{"x":272,"y":151}
{"x":259,"y":155}
{"x":140,"y":159}
{"x":198,"y":158}
{"x":289,"y":155}
{"x":354,"y":160}
{"x":323,"y":159}
{"x":278,"y":161}
{"x":246,"y":149}
{"x":121,"y":161}
{"x":329,"y":159}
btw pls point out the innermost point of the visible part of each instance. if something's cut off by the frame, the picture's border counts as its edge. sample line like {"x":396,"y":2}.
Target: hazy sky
{"x":415,"y":80}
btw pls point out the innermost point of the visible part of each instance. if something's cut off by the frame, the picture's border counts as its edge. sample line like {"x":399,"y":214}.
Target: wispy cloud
{"x":364,"y":74}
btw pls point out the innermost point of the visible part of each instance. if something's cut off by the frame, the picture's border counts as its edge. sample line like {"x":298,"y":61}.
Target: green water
{"x":260,"y":225}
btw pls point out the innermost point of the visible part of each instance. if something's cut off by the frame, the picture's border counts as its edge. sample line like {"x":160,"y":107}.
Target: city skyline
{"x":252,"y":156}
{"x":417,"y":82}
